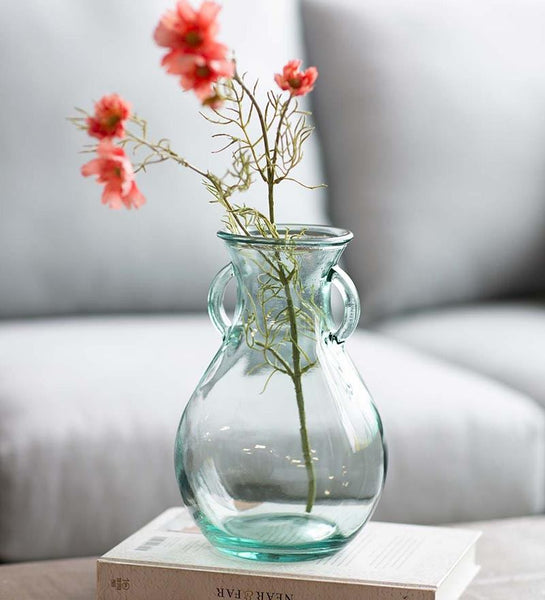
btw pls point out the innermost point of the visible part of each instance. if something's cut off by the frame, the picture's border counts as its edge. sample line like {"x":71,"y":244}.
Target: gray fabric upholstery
{"x":462,"y":446}
{"x":89,"y":410}
{"x":433,"y":118}
{"x":61,"y":251}
{"x":504,"y":341}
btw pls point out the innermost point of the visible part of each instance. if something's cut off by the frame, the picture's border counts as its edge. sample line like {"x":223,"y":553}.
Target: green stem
{"x":279,"y":131}
{"x":296,"y":377}
{"x":271,"y":172}
{"x":270,"y":196}
{"x":270,"y":166}
{"x":243,"y":126}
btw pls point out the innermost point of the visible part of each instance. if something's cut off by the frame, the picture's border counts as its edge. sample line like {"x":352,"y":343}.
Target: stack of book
{"x":169,"y":559}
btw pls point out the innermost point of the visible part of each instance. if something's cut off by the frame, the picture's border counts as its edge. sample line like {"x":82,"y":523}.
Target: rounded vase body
{"x":279,"y":453}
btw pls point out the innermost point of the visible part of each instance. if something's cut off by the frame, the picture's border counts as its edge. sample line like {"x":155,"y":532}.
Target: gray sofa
{"x":431,"y":118}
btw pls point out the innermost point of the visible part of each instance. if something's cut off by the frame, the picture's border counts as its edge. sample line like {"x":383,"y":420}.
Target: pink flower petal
{"x":134,"y":198}
{"x":112,"y":197}
{"x":208,"y":13}
{"x":185,"y":10}
{"x":91,"y":168}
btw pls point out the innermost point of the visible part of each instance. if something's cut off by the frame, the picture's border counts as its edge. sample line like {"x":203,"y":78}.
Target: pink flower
{"x":194,"y":54}
{"x":114,"y":169}
{"x":111,"y":112}
{"x":299,"y":83}
{"x":187,"y":29}
{"x":199,"y":71}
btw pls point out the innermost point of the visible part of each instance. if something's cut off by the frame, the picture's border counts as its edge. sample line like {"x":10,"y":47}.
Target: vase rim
{"x":308,"y":235}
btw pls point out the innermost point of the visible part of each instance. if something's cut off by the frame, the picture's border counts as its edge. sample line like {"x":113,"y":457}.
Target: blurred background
{"x":430,"y":134}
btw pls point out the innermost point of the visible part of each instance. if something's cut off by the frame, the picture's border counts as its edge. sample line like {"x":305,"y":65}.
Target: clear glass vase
{"x":279,"y":453}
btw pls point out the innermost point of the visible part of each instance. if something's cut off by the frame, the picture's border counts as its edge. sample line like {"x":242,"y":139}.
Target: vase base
{"x":276,"y":537}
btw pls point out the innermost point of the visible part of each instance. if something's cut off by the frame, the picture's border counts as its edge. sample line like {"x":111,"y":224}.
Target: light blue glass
{"x":280,"y":453}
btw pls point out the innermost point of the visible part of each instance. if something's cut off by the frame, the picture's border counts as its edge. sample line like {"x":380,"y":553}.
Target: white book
{"x":169,"y":559}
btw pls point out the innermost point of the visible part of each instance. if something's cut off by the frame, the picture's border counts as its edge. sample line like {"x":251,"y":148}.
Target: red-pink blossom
{"x":114,"y":169}
{"x":299,"y":83}
{"x":111,"y":112}
{"x":187,"y":29}
{"x":198,"y":72}
{"x":194,"y":54}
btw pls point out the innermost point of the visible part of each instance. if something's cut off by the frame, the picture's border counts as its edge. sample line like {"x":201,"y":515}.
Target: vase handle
{"x":351,"y":301}
{"x":216,"y":310}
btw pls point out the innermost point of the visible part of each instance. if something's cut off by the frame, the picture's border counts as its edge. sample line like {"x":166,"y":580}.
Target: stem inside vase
{"x":296,"y":375}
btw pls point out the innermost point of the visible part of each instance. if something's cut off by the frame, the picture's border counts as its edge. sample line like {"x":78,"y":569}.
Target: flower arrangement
{"x":205,"y":66}
{"x":266,"y":144}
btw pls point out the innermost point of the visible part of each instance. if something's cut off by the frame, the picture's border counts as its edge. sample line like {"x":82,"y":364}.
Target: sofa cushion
{"x":61,"y":251}
{"x":434,"y":129}
{"x":503,"y":341}
{"x":461,"y":446}
{"x":89,"y":410}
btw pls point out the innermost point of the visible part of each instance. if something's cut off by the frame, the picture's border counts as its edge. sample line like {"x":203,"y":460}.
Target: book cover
{"x":169,"y":559}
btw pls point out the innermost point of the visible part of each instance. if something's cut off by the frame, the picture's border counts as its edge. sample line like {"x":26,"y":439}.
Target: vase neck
{"x":282,"y":283}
